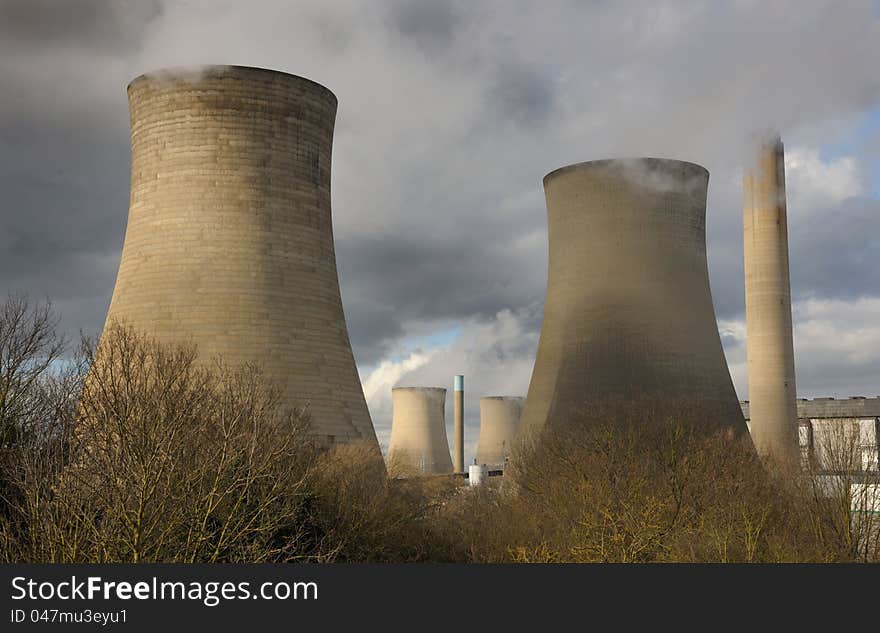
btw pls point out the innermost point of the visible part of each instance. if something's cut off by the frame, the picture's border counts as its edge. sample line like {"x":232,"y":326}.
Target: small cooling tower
{"x":418,"y":432}
{"x":229,"y":243}
{"x":499,"y":422}
{"x":629,"y":325}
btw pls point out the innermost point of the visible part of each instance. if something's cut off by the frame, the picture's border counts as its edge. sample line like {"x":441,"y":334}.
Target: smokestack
{"x":628,"y":319}
{"x":418,"y":432}
{"x":772,"y":394}
{"x":458,"y":428}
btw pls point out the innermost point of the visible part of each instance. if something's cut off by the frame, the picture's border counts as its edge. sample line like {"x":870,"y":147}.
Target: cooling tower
{"x":499,"y":422}
{"x":772,"y":396}
{"x":628,"y":318}
{"x":229,"y":241}
{"x":418,"y":431}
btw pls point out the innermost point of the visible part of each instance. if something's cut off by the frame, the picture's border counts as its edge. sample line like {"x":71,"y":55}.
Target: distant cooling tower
{"x":499,"y":422}
{"x":772,"y":395}
{"x":418,"y":432}
{"x":229,"y":241}
{"x":628,"y":319}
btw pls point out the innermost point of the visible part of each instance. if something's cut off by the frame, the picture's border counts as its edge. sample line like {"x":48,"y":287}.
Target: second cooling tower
{"x":229,"y":243}
{"x":418,"y":444}
{"x":628,"y":318}
{"x":499,"y":423}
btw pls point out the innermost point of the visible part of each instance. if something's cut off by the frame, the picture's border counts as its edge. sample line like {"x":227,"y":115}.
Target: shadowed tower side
{"x":229,"y":243}
{"x":769,"y":345}
{"x":629,"y":327}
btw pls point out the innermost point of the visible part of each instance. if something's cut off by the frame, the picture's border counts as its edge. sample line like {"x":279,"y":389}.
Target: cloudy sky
{"x":450,"y":113}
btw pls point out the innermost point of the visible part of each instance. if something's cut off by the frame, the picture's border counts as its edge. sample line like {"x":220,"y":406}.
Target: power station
{"x":229,"y":243}
{"x":499,"y":423}
{"x":418,"y":442}
{"x":769,"y":345}
{"x":628,"y":317}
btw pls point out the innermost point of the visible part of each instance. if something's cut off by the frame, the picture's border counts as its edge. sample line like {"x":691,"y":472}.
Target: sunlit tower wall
{"x":229,"y":243}
{"x":458,"y":424}
{"x":499,"y":423}
{"x":629,"y":324}
{"x":418,"y":444}
{"x":769,"y":345}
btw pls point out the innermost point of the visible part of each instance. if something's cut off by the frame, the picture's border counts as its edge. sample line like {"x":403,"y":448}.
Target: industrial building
{"x":418,"y":444}
{"x":769,"y":345}
{"x":628,"y":317}
{"x":499,"y":423}
{"x":229,"y":243}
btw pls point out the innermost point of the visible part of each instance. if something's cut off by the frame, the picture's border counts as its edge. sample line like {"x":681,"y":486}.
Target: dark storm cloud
{"x":430,"y":25}
{"x":450,"y":114}
{"x":64,"y":148}
{"x":527,"y":95}
{"x":831,"y":253}
{"x":429,"y":280}
{"x":115,"y":25}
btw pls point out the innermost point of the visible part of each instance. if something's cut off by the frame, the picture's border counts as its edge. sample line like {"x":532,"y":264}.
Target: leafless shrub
{"x":167,"y":461}
{"x":363,"y":515}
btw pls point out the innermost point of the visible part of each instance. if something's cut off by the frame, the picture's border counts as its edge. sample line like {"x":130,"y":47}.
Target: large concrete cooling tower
{"x":772,"y":396}
{"x":499,"y":422}
{"x":418,"y":432}
{"x":628,"y":319}
{"x":229,"y":241}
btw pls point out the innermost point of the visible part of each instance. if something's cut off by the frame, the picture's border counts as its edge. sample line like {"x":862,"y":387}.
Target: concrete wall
{"x":230,"y":242}
{"x":628,"y":319}
{"x":418,"y":444}
{"x":499,"y":423}
{"x":769,"y":343}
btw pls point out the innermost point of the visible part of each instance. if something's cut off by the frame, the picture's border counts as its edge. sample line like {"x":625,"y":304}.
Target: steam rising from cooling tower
{"x":418,"y":432}
{"x":229,"y":241}
{"x":772,"y":395}
{"x":628,"y":319}
{"x":499,"y":423}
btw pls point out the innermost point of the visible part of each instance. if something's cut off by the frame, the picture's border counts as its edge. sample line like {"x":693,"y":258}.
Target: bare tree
{"x":29,"y":345}
{"x":167,"y":461}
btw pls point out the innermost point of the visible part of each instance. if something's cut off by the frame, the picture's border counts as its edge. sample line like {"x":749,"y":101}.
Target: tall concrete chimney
{"x":458,"y":428}
{"x":229,"y":243}
{"x":772,"y":395}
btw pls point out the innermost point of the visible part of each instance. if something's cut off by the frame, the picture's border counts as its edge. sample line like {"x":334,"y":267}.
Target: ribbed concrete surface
{"x":628,"y":319}
{"x":230,"y":242}
{"x":499,"y":423}
{"x":769,"y":345}
{"x":418,"y":444}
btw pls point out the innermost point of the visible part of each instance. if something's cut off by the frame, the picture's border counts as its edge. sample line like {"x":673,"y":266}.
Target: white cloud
{"x":836,"y":348}
{"x":814,"y":185}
